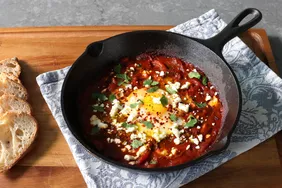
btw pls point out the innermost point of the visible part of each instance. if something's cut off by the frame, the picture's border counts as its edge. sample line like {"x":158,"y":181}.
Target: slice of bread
{"x":10,"y":66}
{"x":10,"y":103}
{"x":17,"y":133}
{"x":10,"y":87}
{"x":10,"y":76}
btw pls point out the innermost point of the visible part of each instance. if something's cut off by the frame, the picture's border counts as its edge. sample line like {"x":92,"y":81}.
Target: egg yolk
{"x":153,"y":104}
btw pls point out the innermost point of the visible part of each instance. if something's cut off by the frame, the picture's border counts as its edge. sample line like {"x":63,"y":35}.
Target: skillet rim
{"x":162,"y":169}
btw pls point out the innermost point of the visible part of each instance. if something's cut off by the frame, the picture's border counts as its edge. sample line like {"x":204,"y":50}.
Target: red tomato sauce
{"x":198,"y":128}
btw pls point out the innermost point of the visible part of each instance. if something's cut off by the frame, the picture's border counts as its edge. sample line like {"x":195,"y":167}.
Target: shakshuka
{"x":151,"y":111}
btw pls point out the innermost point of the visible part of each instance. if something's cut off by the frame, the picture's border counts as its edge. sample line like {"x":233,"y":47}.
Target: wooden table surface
{"x":50,"y":163}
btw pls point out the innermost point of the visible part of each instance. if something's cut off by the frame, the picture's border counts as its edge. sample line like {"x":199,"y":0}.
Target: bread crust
{"x":28,"y":147}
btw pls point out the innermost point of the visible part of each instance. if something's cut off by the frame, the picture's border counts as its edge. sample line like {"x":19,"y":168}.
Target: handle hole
{"x":246,"y":19}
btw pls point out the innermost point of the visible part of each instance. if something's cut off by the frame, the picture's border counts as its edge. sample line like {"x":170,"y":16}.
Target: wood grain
{"x":50,"y":164}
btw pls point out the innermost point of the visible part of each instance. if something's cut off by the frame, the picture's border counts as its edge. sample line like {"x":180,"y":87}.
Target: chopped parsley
{"x":147,"y":82}
{"x":170,"y":90}
{"x":117,"y":68}
{"x":124,"y":79}
{"x":204,"y":80}
{"x":164,"y":100}
{"x":152,"y":89}
{"x":127,"y":125}
{"x":140,"y":101}
{"x":95,"y":130}
{"x":194,"y":75}
{"x":134,"y":105}
{"x":150,"y":82}
{"x":173,"y":117}
{"x":201,"y":104}
{"x":136,"y":144}
{"x":153,"y":161}
{"x":112,"y":97}
{"x":154,"y":83}
{"x":100,"y":96}
{"x":98,"y":108}
{"x":148,"y":124}
{"x":192,"y":121}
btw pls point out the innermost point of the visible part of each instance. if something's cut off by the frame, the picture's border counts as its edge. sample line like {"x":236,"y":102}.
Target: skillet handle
{"x":233,"y":29}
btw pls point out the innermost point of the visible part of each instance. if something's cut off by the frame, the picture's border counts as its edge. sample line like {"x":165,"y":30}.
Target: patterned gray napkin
{"x":262,"y":106}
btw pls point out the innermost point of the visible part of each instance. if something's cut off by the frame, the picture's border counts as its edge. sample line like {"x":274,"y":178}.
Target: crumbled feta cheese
{"x":185,"y":86}
{"x":132,"y":68}
{"x":173,"y":151}
{"x":213,"y":124}
{"x":159,"y":134}
{"x":208,"y":97}
{"x":133,"y":136}
{"x":126,"y":110}
{"x":130,"y":129}
{"x":156,"y":100}
{"x":194,"y":140}
{"x":177,"y":141}
{"x":132,"y":115}
{"x":130,"y":157}
{"x":174,"y":86}
{"x":128,"y":147}
{"x":115,"y":107}
{"x":142,"y":136}
{"x":141,"y":150}
{"x":198,"y":127}
{"x":175,"y":99}
{"x":194,"y":70}
{"x":162,"y":73}
{"x":200,"y":137}
{"x":94,"y":120}
{"x":197,"y":147}
{"x":128,"y":86}
{"x":117,"y":140}
{"x":135,"y":88}
{"x":184,"y":107}
{"x":188,"y":147}
{"x":215,"y":94}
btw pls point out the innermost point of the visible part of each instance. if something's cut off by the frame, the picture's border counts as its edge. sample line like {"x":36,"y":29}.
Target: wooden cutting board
{"x":50,"y":163}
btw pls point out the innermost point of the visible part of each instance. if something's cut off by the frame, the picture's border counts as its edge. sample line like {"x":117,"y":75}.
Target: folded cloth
{"x":262,"y":105}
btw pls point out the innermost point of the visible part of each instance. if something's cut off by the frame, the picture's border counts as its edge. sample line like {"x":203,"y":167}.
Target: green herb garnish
{"x":140,"y":101}
{"x":112,"y":97}
{"x":98,"y":108}
{"x":148,"y":124}
{"x":95,"y":130}
{"x":100,"y":96}
{"x":164,"y":100}
{"x":136,"y":144}
{"x":153,"y":89}
{"x":125,"y":78}
{"x":154,"y":83}
{"x":170,"y":90}
{"x":133,"y":105}
{"x":192,"y":121}
{"x":173,"y":117}
{"x":147,"y":82}
{"x":201,"y":105}
{"x":204,"y":81}
{"x":194,"y":75}
{"x":117,"y":68}
{"x":126,"y":125}
{"x":153,"y":161}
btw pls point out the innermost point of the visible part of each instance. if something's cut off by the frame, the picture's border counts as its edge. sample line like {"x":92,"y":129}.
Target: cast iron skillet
{"x":205,"y":54}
